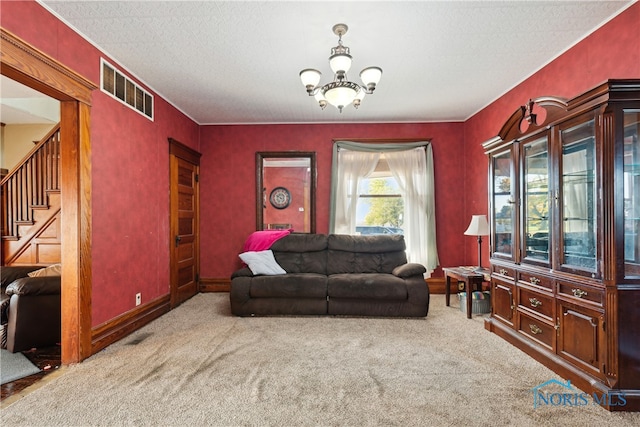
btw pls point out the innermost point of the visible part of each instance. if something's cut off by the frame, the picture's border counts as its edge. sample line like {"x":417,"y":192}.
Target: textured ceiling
{"x":238,"y":61}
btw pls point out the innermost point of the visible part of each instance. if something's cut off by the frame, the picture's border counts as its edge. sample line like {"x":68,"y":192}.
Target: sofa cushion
{"x":302,"y":242}
{"x":302,"y":253}
{"x":262,"y":262}
{"x":367,"y":286}
{"x":365,"y":254}
{"x":366,"y":244}
{"x":292,"y":285}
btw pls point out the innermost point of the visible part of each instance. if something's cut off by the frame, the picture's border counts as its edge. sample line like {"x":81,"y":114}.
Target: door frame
{"x":178,"y":150}
{"x":29,"y":66}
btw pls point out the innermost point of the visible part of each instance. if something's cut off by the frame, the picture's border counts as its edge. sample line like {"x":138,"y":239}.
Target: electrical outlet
{"x":138,"y":298}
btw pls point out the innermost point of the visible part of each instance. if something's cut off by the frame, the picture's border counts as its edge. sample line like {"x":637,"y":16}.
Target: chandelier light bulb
{"x":340,"y":92}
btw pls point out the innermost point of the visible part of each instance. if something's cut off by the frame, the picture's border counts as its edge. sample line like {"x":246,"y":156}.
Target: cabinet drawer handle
{"x":535,"y":302}
{"x":503,"y":272}
{"x":535,"y":329}
{"x":534,"y":280}
{"x":579,"y":293}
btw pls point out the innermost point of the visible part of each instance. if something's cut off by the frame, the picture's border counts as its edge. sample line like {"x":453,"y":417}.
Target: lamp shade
{"x":340,"y":96}
{"x":310,"y":77}
{"x":478,"y":226}
{"x":371,"y":76}
{"x":340,"y":63}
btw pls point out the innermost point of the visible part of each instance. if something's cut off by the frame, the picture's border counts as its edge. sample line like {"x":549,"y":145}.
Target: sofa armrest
{"x":9,"y":273}
{"x":409,"y":270}
{"x":35,"y":286}
{"x":243,"y":272}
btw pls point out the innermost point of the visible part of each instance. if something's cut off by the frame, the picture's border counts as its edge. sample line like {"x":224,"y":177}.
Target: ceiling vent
{"x":125,"y":90}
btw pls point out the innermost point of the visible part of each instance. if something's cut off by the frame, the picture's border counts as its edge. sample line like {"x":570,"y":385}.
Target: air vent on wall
{"x":125,"y":90}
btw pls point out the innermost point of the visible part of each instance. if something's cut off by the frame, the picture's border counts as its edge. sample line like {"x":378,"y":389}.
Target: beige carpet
{"x":198,"y":365}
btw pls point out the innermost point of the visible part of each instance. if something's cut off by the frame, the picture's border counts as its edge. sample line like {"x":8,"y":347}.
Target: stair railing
{"x":28,"y":185}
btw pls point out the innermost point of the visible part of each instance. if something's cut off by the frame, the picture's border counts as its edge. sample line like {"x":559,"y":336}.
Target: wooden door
{"x":581,"y":338}
{"x":184,"y":234}
{"x":502,"y":295}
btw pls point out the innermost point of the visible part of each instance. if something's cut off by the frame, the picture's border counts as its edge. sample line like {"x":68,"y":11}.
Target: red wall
{"x":228,"y":172}
{"x":130,"y":171}
{"x":611,"y":52}
{"x":130,"y":247}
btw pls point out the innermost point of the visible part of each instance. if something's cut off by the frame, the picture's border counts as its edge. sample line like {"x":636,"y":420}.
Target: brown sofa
{"x":336,"y":275}
{"x":31,"y":308}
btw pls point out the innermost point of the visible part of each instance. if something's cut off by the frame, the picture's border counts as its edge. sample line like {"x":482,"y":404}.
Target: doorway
{"x":184,"y":222}
{"x":24,"y":64}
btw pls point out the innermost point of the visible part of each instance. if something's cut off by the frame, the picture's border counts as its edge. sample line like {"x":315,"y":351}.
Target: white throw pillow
{"x":52,"y":270}
{"x":262,"y":262}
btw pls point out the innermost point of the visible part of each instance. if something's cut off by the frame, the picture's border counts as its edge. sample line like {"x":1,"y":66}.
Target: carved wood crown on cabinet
{"x":564,"y":201}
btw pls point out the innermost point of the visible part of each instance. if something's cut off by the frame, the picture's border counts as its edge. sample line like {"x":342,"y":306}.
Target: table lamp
{"x":478,"y":227}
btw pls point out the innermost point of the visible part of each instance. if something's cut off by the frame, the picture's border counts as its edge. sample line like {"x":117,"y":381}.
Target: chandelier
{"x":340,"y":92}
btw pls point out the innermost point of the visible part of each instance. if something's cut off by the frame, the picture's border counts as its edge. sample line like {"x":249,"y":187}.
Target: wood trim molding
{"x":437,"y":285}
{"x":208,"y":284}
{"x":182,"y":151}
{"x":123,"y":325}
{"x":54,"y":79}
{"x":33,"y":68}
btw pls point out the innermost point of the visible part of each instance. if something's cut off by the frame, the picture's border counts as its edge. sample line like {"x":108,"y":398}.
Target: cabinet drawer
{"x":503,"y":272}
{"x":536,"y":329}
{"x":537,"y":302}
{"x":575,"y":291}
{"x":535,"y":280}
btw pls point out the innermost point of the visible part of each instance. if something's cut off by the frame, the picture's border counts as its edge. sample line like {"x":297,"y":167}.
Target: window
{"x":380,"y":205}
{"x":120,"y":87}
{"x":386,"y":189}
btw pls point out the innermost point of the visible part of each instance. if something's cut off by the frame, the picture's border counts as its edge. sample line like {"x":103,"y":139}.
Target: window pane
{"x":380,"y":207}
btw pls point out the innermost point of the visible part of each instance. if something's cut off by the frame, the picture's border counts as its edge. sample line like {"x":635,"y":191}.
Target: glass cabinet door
{"x":579,"y":197}
{"x":535,"y":204}
{"x":631,"y":193}
{"x":503,"y":215}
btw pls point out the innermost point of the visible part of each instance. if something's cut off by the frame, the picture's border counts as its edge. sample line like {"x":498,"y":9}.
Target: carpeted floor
{"x":200,"y":366}
{"x":14,"y":366}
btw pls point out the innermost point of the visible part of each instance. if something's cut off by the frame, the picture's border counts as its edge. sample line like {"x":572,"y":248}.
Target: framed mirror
{"x":286,"y":191}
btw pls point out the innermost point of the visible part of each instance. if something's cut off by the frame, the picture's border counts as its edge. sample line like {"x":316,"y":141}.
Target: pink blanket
{"x":262,"y":240}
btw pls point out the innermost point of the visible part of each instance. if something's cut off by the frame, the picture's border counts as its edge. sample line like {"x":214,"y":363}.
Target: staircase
{"x":31,"y":206}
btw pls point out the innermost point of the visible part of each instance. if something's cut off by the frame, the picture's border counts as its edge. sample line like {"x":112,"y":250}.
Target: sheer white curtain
{"x":411,"y":170}
{"x":353,"y":167}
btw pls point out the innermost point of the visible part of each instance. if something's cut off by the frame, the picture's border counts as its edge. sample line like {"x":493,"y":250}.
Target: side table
{"x":471,"y":278}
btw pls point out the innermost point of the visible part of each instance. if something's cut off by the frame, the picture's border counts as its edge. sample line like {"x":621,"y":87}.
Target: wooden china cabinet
{"x":564,"y":201}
